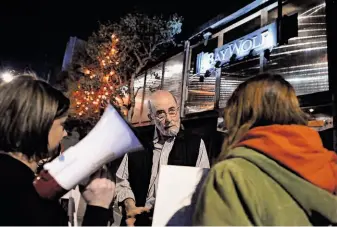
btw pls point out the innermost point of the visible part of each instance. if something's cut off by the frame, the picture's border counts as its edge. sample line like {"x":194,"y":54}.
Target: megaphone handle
{"x":47,"y":187}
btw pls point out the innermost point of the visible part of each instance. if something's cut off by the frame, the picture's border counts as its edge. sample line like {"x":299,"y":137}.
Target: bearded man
{"x":137,"y":176}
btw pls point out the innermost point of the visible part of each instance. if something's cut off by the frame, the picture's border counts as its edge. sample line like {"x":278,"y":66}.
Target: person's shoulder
{"x":11,"y":168}
{"x":234,"y":168}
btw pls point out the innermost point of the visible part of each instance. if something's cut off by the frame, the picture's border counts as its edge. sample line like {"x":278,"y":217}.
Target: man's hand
{"x":131,"y":211}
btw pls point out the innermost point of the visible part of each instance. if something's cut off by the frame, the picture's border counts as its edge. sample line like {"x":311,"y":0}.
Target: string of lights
{"x":99,"y":85}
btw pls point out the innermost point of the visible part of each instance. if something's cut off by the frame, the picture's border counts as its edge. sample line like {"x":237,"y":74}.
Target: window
{"x":173,"y":75}
{"x":303,"y":61}
{"x":153,"y":83}
{"x":138,"y":86}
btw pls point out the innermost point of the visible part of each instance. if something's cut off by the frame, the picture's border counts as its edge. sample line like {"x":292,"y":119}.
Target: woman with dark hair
{"x":32,"y":118}
{"x":273,"y":169}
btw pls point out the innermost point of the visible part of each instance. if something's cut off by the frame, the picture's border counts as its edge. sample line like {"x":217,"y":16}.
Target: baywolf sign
{"x":253,"y":43}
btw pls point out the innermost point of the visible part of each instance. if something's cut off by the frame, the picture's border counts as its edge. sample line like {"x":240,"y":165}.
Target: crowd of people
{"x":273,"y":169}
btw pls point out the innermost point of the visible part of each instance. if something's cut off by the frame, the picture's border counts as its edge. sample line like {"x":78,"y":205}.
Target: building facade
{"x":292,"y":38}
{"x":289,"y":38}
{"x":73,"y":45}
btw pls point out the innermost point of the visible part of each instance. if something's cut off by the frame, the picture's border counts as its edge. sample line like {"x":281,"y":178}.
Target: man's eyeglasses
{"x":162,"y":115}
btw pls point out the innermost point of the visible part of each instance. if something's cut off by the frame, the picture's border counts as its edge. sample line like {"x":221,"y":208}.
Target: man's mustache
{"x":170,"y":124}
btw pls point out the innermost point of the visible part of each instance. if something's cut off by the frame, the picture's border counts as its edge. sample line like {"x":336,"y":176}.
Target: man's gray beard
{"x":170,"y":133}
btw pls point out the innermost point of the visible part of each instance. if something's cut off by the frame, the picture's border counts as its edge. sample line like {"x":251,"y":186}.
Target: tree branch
{"x":145,"y":49}
{"x":119,"y":79}
{"x":138,"y":58}
{"x":138,"y":69}
{"x":136,"y":92}
{"x":156,"y":45}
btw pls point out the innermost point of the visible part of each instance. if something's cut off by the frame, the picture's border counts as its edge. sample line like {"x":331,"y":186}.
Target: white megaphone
{"x":110,"y":139}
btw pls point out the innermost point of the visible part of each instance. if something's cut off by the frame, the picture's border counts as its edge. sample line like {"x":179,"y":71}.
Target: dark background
{"x":35,"y":32}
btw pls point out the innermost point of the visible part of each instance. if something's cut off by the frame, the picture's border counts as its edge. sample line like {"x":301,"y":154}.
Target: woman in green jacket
{"x":273,"y":169}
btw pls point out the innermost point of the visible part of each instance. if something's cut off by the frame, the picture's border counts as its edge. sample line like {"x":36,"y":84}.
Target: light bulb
{"x":7,"y":77}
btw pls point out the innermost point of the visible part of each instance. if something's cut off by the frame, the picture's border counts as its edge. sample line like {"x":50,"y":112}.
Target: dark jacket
{"x":20,"y":204}
{"x":184,"y":152}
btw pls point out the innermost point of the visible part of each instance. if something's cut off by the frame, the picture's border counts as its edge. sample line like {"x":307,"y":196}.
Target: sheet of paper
{"x":177,"y":188}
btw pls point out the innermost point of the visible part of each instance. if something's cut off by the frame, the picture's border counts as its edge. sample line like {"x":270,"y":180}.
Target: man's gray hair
{"x":150,"y":100}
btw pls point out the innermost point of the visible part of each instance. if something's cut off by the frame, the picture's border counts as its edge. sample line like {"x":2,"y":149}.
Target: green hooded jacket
{"x":249,"y":188}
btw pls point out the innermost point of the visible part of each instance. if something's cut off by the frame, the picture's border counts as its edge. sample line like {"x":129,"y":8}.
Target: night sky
{"x":37,"y":31}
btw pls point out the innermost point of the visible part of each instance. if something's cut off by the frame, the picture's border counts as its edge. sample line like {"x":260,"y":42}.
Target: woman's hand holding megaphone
{"x":100,"y":190}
